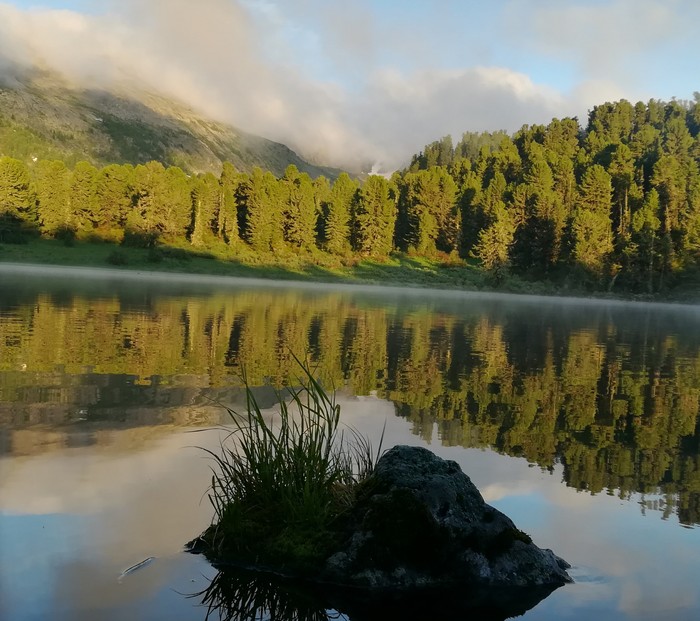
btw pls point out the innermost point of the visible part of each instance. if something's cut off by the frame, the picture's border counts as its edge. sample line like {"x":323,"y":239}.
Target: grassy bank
{"x":320,"y":267}
{"x":398,"y":270}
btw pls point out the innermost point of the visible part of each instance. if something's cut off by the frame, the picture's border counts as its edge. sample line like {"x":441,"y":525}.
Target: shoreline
{"x":209,"y":280}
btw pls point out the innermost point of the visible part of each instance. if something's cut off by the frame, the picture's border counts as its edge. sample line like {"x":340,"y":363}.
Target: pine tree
{"x":206,"y":196}
{"x":427,"y":212}
{"x":85,"y":208}
{"x":52,"y":183}
{"x":495,"y":241}
{"x":592,"y":228}
{"x":227,"y":221}
{"x":624,"y":187}
{"x":537,"y":244}
{"x":262,"y":218}
{"x":146,"y":216}
{"x":175,"y":209}
{"x":645,"y":229}
{"x":471,"y":211}
{"x":16,"y":197}
{"x":300,"y":216}
{"x":114,"y":187}
{"x":374,"y":217}
{"x":337,"y":214}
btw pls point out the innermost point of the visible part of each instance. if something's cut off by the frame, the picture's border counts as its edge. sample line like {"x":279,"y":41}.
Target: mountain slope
{"x":42,"y":117}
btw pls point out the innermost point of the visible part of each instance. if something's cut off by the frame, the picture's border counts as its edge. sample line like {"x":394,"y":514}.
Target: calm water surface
{"x":580,"y":420}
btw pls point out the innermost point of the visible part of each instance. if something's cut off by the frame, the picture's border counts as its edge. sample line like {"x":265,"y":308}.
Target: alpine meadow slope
{"x":43,"y":116}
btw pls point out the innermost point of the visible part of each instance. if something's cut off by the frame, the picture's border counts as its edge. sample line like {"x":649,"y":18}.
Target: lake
{"x":578,"y":419}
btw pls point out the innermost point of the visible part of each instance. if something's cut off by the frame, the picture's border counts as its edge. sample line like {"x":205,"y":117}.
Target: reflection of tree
{"x":611,"y":395}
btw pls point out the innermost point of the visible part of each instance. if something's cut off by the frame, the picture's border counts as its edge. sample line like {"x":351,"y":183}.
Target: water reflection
{"x":610,"y":393}
{"x":240,"y":596}
{"x":72,"y":519}
{"x":237,"y":595}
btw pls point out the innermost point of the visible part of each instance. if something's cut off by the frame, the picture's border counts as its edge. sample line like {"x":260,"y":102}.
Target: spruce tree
{"x":299,"y":209}
{"x":15,"y":188}
{"x":337,"y":215}
{"x":114,"y":187}
{"x":227,"y":220}
{"x":52,"y":184}
{"x":374,"y":218}
{"x":592,"y":228}
{"x":85,"y":208}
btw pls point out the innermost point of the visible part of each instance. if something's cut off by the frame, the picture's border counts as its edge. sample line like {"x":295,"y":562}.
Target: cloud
{"x":614,"y":46}
{"x":249,"y":63}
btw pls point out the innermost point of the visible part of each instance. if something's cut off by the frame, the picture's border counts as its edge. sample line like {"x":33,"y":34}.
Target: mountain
{"x":44,"y":117}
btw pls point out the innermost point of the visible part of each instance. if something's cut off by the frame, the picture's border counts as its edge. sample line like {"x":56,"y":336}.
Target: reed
{"x":280,"y":487}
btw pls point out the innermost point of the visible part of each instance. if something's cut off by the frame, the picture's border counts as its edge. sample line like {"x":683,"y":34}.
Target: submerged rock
{"x":419,"y":521}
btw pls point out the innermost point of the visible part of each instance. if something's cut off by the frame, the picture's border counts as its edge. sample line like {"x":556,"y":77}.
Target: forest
{"x":613,"y":206}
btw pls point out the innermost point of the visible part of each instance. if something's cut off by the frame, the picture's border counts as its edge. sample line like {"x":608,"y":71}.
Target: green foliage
{"x":114,"y":188}
{"x":278,"y":487}
{"x":646,"y":257}
{"x":83,"y":197}
{"x":12,"y":230}
{"x":493,"y":247}
{"x":52,"y":183}
{"x":592,"y":228}
{"x":261,"y":213}
{"x":427,"y":208}
{"x":337,"y":213}
{"x":206,"y":205}
{"x":148,"y":198}
{"x":227,"y":216}
{"x":16,"y":197}
{"x":299,"y":208}
{"x":374,"y":218}
{"x":66,"y":235}
{"x":139,"y":239}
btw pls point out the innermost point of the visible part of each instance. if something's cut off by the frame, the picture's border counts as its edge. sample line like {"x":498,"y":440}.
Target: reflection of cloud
{"x":498,"y":491}
{"x":113,"y":507}
{"x":127,"y":494}
{"x":75,"y":518}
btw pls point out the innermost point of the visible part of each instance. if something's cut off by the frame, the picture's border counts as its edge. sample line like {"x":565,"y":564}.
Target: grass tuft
{"x":280,"y":488}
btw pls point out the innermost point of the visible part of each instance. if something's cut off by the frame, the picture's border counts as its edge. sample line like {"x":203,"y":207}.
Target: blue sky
{"x":373,"y":79}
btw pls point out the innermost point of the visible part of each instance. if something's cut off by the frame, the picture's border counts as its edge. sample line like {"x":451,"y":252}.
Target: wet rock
{"x":419,"y":522}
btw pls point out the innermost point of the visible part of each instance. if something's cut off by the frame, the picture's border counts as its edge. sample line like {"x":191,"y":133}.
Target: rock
{"x":419,"y":521}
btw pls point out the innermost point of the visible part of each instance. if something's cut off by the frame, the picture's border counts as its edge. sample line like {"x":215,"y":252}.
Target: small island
{"x":304,"y":499}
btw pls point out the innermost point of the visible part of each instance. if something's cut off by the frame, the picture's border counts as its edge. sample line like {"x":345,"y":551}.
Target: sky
{"x":367,"y":81}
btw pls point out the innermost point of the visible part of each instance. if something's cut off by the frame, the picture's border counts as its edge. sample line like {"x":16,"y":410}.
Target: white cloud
{"x":239,"y":61}
{"x":617,"y":42}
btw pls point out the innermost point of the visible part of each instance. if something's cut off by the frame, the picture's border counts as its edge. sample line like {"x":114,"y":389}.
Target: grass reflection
{"x":241,"y":595}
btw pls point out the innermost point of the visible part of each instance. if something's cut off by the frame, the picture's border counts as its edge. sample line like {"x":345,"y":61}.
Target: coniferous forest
{"x":614,"y":205}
